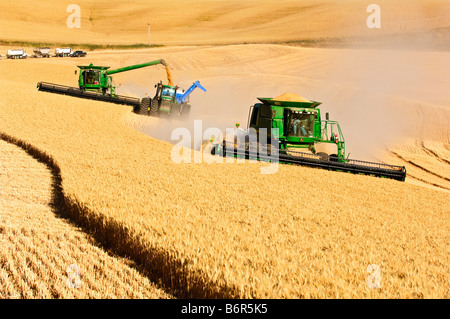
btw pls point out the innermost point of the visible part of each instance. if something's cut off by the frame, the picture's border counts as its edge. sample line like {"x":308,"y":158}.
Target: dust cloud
{"x":136,"y":90}
{"x":359,"y":88}
{"x":362,"y":94}
{"x":225,"y":103}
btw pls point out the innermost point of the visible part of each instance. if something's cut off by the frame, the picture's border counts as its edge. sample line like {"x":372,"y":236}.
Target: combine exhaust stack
{"x":91,"y":95}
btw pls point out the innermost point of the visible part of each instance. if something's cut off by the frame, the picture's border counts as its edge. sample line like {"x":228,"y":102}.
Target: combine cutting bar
{"x":312,"y":160}
{"x":72,"y":91}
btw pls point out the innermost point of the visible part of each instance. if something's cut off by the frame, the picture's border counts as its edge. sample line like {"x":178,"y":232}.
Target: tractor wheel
{"x":175,"y":111}
{"x":154,"y":109}
{"x":145,"y":104}
{"x":185,"y":110}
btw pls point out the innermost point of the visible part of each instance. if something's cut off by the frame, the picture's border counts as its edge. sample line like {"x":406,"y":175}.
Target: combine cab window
{"x":91,"y":77}
{"x":301,"y":124}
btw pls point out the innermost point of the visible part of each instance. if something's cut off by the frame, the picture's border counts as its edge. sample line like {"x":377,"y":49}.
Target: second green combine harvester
{"x":96,"y":83}
{"x":282,"y":126}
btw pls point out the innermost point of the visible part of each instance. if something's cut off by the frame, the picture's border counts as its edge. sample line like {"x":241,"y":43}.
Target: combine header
{"x":293,"y":124}
{"x":96,"y":83}
{"x":91,"y":95}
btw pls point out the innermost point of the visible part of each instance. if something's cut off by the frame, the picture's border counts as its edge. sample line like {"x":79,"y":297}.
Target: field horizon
{"x":199,"y":22}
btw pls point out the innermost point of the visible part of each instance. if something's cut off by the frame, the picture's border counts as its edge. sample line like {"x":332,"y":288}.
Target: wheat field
{"x":206,"y":22}
{"x":217,"y":230}
{"x":222,"y":230}
{"x":40,"y":250}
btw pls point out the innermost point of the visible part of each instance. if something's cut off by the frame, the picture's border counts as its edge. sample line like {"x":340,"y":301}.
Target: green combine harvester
{"x":98,"y":78}
{"x":285,"y":128}
{"x":96,"y":83}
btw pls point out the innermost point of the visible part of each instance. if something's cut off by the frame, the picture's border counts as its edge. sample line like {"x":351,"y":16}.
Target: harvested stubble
{"x":225,"y":230}
{"x":38,"y":247}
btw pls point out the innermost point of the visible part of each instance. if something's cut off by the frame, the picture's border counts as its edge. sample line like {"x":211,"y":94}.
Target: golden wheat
{"x":40,"y":251}
{"x":200,"y":21}
{"x":225,"y":230}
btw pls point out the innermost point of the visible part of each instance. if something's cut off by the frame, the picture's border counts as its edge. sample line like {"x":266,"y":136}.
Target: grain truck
{"x":63,"y":52}
{"x":41,"y":52}
{"x":16,"y":54}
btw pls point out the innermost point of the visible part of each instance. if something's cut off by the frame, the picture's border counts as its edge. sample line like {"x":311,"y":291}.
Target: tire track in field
{"x":421,"y":168}
{"x":434,"y":154}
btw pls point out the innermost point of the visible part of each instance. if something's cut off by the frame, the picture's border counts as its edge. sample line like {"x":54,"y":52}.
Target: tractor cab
{"x":165,"y":92}
{"x":168,"y":92}
{"x":93,"y":78}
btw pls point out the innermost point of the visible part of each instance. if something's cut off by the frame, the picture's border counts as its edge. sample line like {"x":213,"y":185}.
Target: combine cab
{"x":294,"y":130}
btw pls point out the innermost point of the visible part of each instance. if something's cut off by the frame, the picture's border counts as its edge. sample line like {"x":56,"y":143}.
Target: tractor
{"x":169,"y":101}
